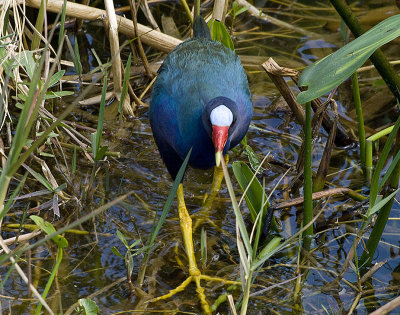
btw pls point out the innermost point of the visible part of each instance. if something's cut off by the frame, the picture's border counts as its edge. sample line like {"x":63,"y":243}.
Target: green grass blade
{"x":389,"y":171}
{"x":382,"y":202}
{"x":40,"y":178}
{"x":238,"y":214}
{"x":164,"y":213}
{"x":98,"y":153}
{"x":379,"y":166}
{"x":38,"y":26}
{"x":10,"y":201}
{"x":62,"y":26}
{"x":51,"y":279}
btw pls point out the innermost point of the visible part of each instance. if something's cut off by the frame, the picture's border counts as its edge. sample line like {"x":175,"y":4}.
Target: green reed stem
{"x":187,"y":10}
{"x":368,"y":158}
{"x":360,"y":118}
{"x":51,"y":279}
{"x":308,"y":203}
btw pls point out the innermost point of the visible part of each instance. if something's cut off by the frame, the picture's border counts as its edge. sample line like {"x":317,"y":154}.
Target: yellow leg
{"x":194,"y":272}
{"x":203,"y":214}
{"x":216,"y":184}
{"x":186,"y":228}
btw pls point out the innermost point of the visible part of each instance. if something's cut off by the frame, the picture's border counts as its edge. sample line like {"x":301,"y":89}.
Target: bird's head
{"x":219,"y":118}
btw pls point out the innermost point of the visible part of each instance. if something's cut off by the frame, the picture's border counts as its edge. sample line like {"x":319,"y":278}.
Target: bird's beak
{"x":219,"y":138}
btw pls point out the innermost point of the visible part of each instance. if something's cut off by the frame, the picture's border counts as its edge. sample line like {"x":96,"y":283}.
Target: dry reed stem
{"x":276,"y":73}
{"x":385,"y":309}
{"x":22,"y":237}
{"x":315,"y":196}
{"x":95,"y":99}
{"x":132,"y":4}
{"x":149,"y":36}
{"x":116,"y":57}
{"x":219,"y":10}
{"x":323,"y":167}
{"x":147,"y":13}
{"x":374,"y":269}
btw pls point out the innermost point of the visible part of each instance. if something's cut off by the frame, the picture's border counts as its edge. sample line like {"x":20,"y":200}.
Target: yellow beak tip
{"x":218,"y":156}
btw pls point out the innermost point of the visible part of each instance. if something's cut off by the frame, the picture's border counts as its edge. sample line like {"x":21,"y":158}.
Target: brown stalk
{"x":115,"y":53}
{"x":319,"y":180}
{"x":147,"y":12}
{"x":315,"y":196}
{"x":342,"y":137}
{"x":276,"y":73}
{"x":142,"y":54}
{"x":385,"y":309}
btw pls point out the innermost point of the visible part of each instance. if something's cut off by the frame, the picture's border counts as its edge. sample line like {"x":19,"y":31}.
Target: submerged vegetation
{"x":88,"y":212}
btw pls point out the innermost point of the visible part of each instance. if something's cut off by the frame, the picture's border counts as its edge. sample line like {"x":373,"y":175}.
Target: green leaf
{"x":56,"y":77}
{"x":254,"y":194}
{"x":380,"y":204}
{"x":268,"y":249}
{"x":253,"y":158}
{"x":57,"y":94}
{"x":40,"y":178}
{"x":101,"y":153}
{"x":116,"y":252}
{"x":379,"y":166}
{"x":122,"y":238}
{"x":327,"y":73}
{"x":237,"y":10}
{"x":48,"y":228}
{"x":90,"y":307}
{"x":50,"y":135}
{"x":42,"y":153}
{"x":135,"y":243}
{"x":28,"y":63}
{"x":220,"y":33}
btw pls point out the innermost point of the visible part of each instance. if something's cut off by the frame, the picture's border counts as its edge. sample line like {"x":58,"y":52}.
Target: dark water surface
{"x":90,"y":267}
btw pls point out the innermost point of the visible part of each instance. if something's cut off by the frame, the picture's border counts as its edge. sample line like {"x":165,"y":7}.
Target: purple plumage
{"x":196,"y":77}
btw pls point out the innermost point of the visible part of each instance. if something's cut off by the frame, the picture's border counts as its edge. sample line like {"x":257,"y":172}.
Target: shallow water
{"x":90,"y":269}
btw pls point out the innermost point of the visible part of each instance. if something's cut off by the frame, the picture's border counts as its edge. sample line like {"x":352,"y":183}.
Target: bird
{"x":200,"y":101}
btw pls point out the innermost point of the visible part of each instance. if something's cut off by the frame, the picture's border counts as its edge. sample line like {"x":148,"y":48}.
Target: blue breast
{"x":194,"y":73}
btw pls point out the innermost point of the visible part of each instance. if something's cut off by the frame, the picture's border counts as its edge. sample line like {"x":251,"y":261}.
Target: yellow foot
{"x":194,"y":272}
{"x":200,"y":290}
